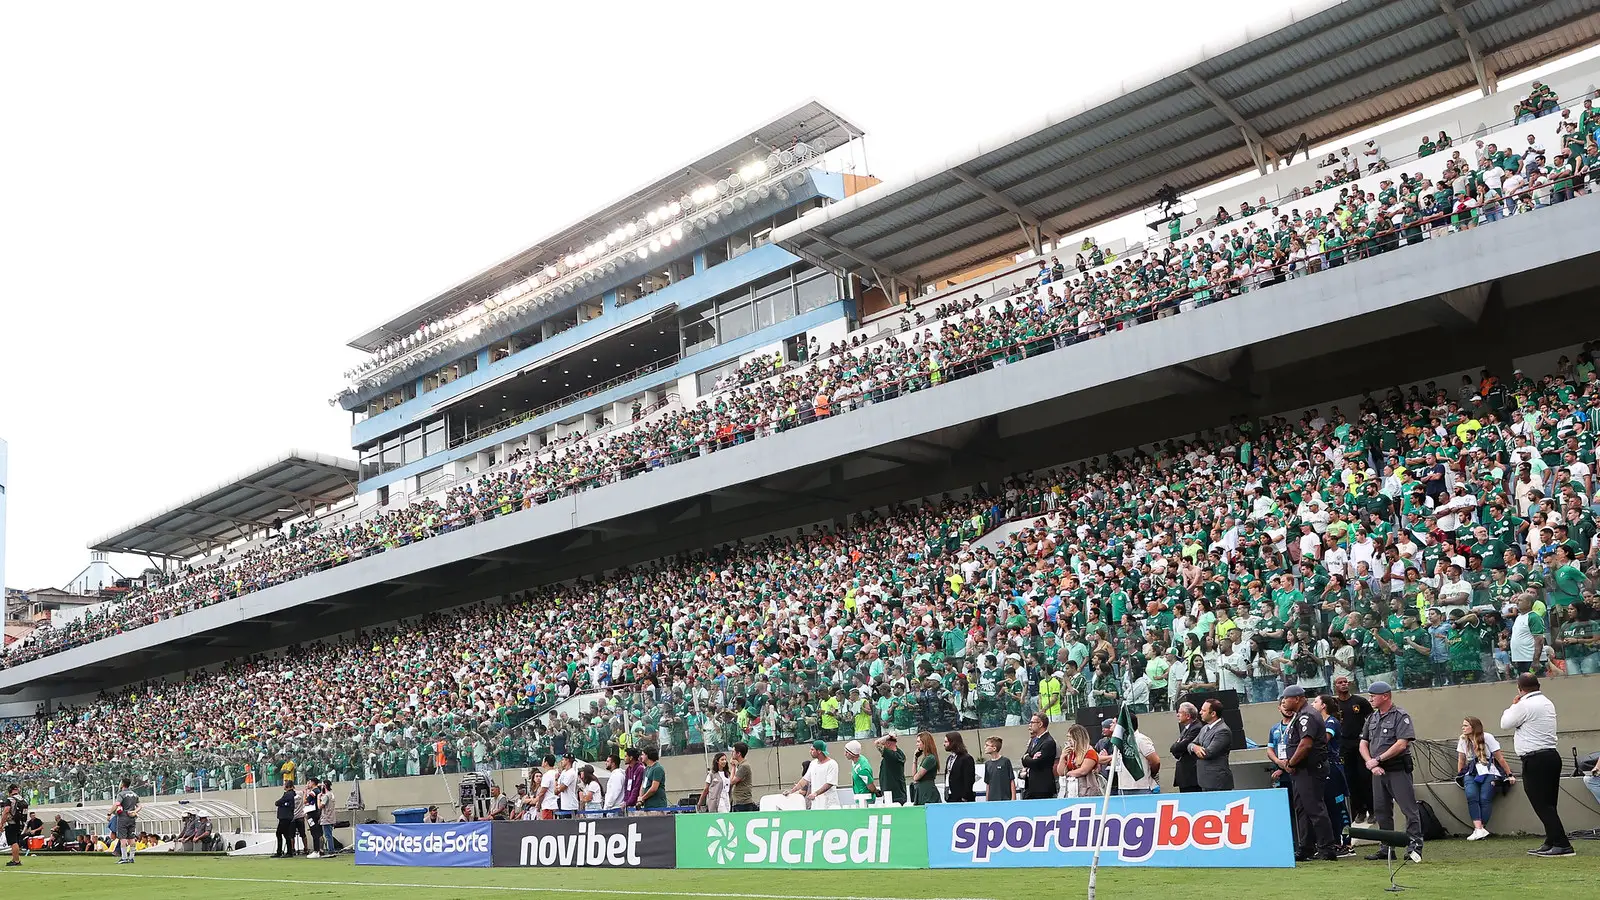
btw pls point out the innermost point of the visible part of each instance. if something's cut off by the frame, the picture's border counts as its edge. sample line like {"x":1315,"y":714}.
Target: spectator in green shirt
{"x":653,"y":795}
{"x":1578,"y":639}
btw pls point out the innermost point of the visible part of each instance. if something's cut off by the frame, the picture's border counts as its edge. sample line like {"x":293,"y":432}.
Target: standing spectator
{"x":1481,"y":766}
{"x":1307,"y":764}
{"x":285,"y":804}
{"x":1125,"y":782}
{"x":961,"y":772}
{"x":891,"y":768}
{"x":1183,"y":774}
{"x":615,"y":784}
{"x":300,"y":822}
{"x":326,"y":815}
{"x":1534,"y":718}
{"x":313,"y":819}
{"x":548,"y":798}
{"x":924,"y":787}
{"x":653,"y":796}
{"x":1211,"y":747}
{"x":862,"y":783}
{"x":633,"y":779}
{"x":741,"y":797}
{"x":714,"y":796}
{"x":999,"y":778}
{"x":1079,"y":765}
{"x":567,"y":787}
{"x":1039,"y":760}
{"x":1353,"y":712}
{"x":591,"y":793}
{"x":1386,"y":753}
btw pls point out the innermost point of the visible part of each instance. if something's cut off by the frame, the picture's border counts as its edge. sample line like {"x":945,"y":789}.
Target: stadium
{"x":769,"y":514}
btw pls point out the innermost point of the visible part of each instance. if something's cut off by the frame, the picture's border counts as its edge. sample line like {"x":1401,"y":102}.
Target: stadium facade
{"x":631,"y":312}
{"x":762,"y":248}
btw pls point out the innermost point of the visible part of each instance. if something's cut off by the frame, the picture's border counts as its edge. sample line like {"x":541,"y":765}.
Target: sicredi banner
{"x":884,"y":838}
{"x":1235,"y":829}
{"x":642,"y":842}
{"x":460,"y":845}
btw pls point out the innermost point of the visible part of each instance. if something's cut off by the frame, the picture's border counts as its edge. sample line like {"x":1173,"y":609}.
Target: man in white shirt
{"x":1534,"y":718}
{"x":1126,"y":783}
{"x":820,"y":783}
{"x":546,"y":800}
{"x":567,"y":786}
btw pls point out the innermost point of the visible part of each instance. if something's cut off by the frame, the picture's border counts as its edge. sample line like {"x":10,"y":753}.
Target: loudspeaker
{"x":1230,"y":711}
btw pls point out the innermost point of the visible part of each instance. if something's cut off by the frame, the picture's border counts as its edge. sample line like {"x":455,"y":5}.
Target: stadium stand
{"x":1432,"y":535}
{"x":1379,"y":213}
{"x":1337,"y":543}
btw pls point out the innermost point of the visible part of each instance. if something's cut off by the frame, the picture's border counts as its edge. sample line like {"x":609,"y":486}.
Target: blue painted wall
{"x":706,"y":359}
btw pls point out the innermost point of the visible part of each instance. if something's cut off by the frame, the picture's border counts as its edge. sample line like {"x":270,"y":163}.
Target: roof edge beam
{"x":880,"y":269}
{"x":1261,"y":151}
{"x":1032,"y":228}
{"x":1488,"y":78}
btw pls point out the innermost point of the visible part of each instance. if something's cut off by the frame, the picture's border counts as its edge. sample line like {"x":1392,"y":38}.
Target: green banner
{"x":876,"y":838}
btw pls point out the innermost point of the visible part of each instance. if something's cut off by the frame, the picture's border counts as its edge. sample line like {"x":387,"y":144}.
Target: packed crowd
{"x":1053,"y":310}
{"x":1429,"y":537}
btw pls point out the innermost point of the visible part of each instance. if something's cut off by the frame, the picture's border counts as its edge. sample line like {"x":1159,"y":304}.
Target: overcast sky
{"x":203,"y":201}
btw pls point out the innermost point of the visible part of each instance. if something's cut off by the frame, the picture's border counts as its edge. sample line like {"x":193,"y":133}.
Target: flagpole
{"x":1099,"y":826}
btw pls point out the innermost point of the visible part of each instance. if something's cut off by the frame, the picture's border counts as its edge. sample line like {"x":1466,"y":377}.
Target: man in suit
{"x":1039,"y":760}
{"x":1183,"y":775}
{"x":1211,"y":747}
{"x":286,"y":804}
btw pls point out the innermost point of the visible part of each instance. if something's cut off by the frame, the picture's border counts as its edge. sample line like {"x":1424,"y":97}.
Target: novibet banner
{"x":1233,"y":829}
{"x":642,"y":842}
{"x":883,"y":838}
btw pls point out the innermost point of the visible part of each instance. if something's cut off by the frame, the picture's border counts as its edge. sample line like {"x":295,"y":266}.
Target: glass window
{"x":735,"y":324}
{"x":392,"y":455}
{"x":706,"y":382}
{"x":716,"y":255}
{"x":433,"y":438}
{"x":413,"y":450}
{"x":819,"y":290}
{"x":739,"y":244}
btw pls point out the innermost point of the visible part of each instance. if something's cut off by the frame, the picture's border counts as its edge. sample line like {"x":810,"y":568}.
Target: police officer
{"x":1306,"y":742}
{"x":1386,"y":751}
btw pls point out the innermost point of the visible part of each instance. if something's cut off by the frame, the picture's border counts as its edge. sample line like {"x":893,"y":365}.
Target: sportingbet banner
{"x":876,"y":838}
{"x":1232,"y":829}
{"x":460,"y":845}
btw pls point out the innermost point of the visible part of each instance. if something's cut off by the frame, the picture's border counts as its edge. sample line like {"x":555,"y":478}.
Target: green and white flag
{"x":1126,"y":746}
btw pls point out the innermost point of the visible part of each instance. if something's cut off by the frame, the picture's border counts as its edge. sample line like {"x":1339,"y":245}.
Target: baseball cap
{"x":820,"y":746}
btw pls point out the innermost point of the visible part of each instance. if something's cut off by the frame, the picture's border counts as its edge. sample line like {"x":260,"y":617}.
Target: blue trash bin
{"x":410,"y":815}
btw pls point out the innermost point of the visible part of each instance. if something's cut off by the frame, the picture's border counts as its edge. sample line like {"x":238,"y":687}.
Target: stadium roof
{"x":285,"y":488}
{"x":811,"y":122}
{"x":1320,"y":69}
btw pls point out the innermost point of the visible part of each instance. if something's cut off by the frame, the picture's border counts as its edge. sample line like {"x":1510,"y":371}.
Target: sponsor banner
{"x":1234,"y":829}
{"x":460,"y":845}
{"x":642,"y":842}
{"x":881,"y":838}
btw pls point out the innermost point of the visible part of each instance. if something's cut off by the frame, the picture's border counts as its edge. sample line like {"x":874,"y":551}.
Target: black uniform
{"x":1313,"y":828}
{"x":1352,"y":724}
{"x":18,"y":807}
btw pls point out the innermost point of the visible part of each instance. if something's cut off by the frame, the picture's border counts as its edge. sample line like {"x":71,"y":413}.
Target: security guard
{"x":1307,"y":764}
{"x":1386,"y":750}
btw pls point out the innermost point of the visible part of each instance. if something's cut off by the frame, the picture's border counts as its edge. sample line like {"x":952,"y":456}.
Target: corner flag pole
{"x":1099,"y":825}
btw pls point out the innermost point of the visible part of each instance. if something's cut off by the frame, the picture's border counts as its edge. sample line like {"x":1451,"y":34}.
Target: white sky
{"x":203,"y":201}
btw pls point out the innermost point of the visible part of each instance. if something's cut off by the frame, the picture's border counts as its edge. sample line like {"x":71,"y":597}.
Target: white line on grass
{"x":480,"y":887}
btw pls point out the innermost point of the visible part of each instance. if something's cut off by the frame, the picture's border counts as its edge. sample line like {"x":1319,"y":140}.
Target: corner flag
{"x":1123,"y":742}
